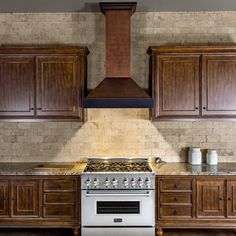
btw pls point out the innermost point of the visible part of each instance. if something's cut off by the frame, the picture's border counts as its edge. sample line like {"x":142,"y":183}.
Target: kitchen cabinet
{"x":17,"y":85}
{"x":57,"y":86}
{"x":42,"y":83}
{"x":40,"y":201}
{"x":219,"y":85}
{"x":178,"y":81}
{"x":195,"y":202}
{"x":59,"y":198}
{"x":231,"y":198}
{"x":4,"y":198}
{"x":25,"y":198}
{"x":175,"y":198}
{"x":210,"y":198}
{"x":193,"y":82}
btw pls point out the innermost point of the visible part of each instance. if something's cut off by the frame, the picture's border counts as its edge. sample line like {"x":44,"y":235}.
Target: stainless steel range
{"x":118,"y":198}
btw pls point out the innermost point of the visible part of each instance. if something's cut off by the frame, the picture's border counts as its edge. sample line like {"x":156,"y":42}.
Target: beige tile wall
{"x":118,"y":132}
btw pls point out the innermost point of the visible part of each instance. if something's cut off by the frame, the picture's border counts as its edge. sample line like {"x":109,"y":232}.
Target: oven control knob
{"x":114,"y":182}
{"x":107,"y":183}
{"x":140,"y":183}
{"x":126,"y":183}
{"x":88,"y":182}
{"x":132,"y":182}
{"x":96,"y":183}
{"x":148,"y":182}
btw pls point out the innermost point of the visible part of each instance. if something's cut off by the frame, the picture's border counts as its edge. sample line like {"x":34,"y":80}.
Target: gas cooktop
{"x":118,"y":165}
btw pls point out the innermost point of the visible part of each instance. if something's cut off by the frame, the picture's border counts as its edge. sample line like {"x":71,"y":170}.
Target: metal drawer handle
{"x":175,"y":199}
{"x":175,"y":186}
{"x":175,"y":212}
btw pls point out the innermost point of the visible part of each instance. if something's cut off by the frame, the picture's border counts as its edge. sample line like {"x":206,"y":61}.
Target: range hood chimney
{"x":118,"y":90}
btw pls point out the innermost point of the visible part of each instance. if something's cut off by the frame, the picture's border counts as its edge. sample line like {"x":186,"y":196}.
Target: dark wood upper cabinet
{"x":57,"y":86}
{"x":210,"y":198}
{"x":17,"y":86}
{"x":42,"y":82}
{"x":219,"y":85}
{"x":25,"y":198}
{"x":177,"y":86}
{"x":193,"y":81}
{"x":4,"y":198}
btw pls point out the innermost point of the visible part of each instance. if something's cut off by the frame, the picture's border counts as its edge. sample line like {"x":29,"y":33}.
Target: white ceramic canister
{"x":195,"y":156}
{"x":212,"y":157}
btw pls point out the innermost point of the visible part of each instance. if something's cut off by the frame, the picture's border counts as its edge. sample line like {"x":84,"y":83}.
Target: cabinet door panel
{"x":210,"y":198}
{"x":17,"y":86}
{"x":177,"y":86}
{"x":219,"y":85}
{"x":25,"y":198}
{"x":231,"y":196}
{"x":4,"y":198}
{"x":57,"y":86}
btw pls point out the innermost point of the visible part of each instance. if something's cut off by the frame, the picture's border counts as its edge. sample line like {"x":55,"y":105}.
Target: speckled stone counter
{"x":78,"y":168}
{"x":41,"y":168}
{"x":186,"y":169}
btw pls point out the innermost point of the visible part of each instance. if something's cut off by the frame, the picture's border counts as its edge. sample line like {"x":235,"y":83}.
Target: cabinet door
{"x":177,"y":86}
{"x":4,"y":198}
{"x":17,"y":86}
{"x":25,"y":198}
{"x":219,"y":85}
{"x":57,"y":86}
{"x":210,"y":198}
{"x":231,"y":196}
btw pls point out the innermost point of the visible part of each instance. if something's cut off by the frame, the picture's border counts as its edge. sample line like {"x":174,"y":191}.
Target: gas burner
{"x":118,"y":165}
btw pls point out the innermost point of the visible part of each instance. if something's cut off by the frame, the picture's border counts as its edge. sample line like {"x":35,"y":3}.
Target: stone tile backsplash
{"x":116,"y":132}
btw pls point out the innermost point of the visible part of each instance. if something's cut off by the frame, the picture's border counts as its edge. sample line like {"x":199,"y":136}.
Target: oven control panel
{"x":111,"y":181}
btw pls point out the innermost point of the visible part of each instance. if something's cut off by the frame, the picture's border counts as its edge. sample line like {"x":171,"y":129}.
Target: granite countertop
{"x":187,"y":169}
{"x":51,"y":168}
{"x":76,"y":168}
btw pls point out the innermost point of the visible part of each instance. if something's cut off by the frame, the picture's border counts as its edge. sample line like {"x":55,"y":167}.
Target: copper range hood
{"x":118,"y":90}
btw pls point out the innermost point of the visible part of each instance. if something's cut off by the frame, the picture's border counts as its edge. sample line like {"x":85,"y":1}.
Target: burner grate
{"x":118,"y":166}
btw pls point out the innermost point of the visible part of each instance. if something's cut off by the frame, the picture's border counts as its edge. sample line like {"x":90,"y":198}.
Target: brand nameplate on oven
{"x":117,"y":220}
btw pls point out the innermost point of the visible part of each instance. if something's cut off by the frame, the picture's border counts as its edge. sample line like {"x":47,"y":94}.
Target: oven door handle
{"x":88,"y":194}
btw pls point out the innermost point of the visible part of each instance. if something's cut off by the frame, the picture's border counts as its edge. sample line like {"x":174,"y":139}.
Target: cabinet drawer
{"x":59,"y":185}
{"x":175,"y":211}
{"x":59,"y":211}
{"x":59,"y":198}
{"x":175,"y":198}
{"x":175,"y":185}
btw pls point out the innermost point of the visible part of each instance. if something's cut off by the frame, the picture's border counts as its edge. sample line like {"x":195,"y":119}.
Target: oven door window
{"x":118,"y":207}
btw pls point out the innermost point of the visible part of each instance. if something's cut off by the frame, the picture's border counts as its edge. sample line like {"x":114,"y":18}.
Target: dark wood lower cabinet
{"x":40,"y":202}
{"x":195,"y":202}
{"x":25,"y":198}
{"x":210,"y":198}
{"x":4,"y":198}
{"x":231,"y":198}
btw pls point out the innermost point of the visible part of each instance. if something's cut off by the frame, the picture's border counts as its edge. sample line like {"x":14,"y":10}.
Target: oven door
{"x":118,"y":208}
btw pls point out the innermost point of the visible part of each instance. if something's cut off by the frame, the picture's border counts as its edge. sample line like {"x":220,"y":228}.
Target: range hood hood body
{"x":118,"y":90}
